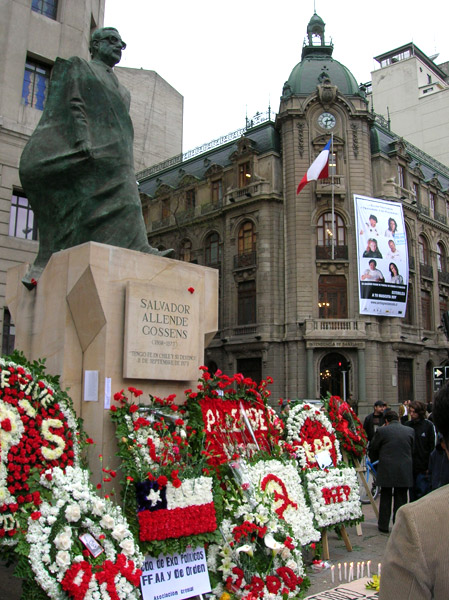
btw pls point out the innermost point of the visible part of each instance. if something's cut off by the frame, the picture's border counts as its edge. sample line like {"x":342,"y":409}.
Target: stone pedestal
{"x":119,"y":317}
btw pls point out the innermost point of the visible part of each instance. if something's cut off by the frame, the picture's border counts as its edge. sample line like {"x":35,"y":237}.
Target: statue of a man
{"x":77,"y":169}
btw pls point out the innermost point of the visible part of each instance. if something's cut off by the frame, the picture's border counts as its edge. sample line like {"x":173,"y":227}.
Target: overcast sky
{"x":231,"y":58}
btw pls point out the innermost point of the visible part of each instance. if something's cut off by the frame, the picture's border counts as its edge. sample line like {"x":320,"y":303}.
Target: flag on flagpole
{"x":319,"y":169}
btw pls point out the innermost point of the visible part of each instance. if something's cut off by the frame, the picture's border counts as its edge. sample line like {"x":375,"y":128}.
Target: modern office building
{"x":289,"y":305}
{"x":411,"y":91}
{"x":33,"y":33}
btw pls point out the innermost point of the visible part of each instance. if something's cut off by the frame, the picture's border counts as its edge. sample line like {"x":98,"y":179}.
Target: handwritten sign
{"x":175,"y":576}
{"x":162,"y":333}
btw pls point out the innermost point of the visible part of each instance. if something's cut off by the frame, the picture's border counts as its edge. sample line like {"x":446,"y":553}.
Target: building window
{"x":250,"y":367}
{"x":324,"y":230}
{"x":423,"y":250}
{"x":36,"y":80}
{"x":217,"y":191}
{"x":244,"y":174}
{"x":246,"y":238}
{"x":332,"y":297}
{"x":401,"y":176}
{"x":426,"y":309}
{"x":165,"y":208}
{"x":408,"y":319}
{"x":190,"y":199}
{"x":415,"y":189}
{"x":443,"y":305}
{"x":185,"y":253}
{"x":441,"y":258}
{"x":9,"y":333}
{"x":246,"y":302}
{"x":432,"y":203}
{"x":45,"y":7}
{"x":212,"y":249}
{"x":21,"y":218}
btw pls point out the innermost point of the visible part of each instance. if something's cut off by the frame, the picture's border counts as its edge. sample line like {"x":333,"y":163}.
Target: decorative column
{"x":310,"y":375}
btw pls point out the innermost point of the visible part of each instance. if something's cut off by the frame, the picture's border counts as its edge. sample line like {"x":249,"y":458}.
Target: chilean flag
{"x":319,"y":169}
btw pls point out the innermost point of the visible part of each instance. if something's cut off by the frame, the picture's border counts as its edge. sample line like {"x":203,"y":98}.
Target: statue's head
{"x":107,"y":45}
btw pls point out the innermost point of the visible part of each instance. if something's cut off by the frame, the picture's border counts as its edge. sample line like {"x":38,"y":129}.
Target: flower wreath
{"x":334,"y":496}
{"x":232,"y":413}
{"x":281,"y":483}
{"x":174,"y":499}
{"x":309,"y":431}
{"x":267,"y":520}
{"x":105,"y":565}
{"x":37,"y":429}
{"x":347,"y":425}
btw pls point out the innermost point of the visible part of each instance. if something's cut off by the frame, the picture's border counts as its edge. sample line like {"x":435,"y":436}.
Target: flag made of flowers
{"x":172,"y":496}
{"x":332,"y":487}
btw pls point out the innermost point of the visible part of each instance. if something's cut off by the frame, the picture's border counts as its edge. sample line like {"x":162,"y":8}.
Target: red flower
{"x":6,"y":424}
{"x":36,"y":515}
{"x":191,"y":290}
{"x":89,"y":441}
{"x":162,"y":481}
{"x":133,"y":408}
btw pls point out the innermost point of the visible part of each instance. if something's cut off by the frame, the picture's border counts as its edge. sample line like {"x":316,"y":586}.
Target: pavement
{"x":368,"y":546}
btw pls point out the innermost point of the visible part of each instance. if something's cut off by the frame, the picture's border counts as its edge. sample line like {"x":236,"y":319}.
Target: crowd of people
{"x":412,"y":450}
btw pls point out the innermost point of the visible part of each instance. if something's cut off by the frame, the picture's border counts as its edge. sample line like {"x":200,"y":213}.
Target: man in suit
{"x":392,"y":446}
{"x":415,"y":564}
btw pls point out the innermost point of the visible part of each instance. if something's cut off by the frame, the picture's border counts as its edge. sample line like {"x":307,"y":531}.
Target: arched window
{"x":324,"y":230}
{"x":212,"y":249}
{"x":185,"y":252}
{"x":423,"y":250}
{"x":332,"y":297}
{"x":247,"y":238}
{"x":441,"y":258}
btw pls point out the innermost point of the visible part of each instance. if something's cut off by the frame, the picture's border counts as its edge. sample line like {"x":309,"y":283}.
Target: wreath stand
{"x":361,"y":474}
{"x":325,"y":541}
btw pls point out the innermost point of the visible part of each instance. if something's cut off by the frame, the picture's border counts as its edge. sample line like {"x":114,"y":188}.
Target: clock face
{"x":326,"y":120}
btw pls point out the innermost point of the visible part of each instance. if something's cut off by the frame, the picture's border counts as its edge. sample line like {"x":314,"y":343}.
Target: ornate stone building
{"x":288,"y":305}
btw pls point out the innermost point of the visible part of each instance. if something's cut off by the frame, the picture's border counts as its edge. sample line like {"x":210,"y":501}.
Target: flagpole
{"x":333,"y":204}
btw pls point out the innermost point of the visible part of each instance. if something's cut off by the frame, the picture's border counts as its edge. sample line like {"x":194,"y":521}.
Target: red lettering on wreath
{"x":337,"y":494}
{"x":277,"y":496}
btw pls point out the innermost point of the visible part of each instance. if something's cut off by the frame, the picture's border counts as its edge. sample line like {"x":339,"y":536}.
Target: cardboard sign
{"x":175,"y":576}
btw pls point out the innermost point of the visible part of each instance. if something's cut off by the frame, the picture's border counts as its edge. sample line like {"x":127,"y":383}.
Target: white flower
{"x":107,"y":522}
{"x":127,"y":546}
{"x":247,"y":549}
{"x":63,"y":559}
{"x":72,"y":513}
{"x":63,"y":540}
{"x":119,"y":532}
{"x":271,"y":543}
{"x":98,"y":506}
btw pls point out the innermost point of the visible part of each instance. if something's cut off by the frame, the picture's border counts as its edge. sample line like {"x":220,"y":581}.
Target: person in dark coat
{"x":438,"y":465}
{"x":392,"y":446}
{"x":425,"y":439}
{"x":375,"y":419}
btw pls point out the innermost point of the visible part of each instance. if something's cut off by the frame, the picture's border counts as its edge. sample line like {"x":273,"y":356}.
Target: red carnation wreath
{"x":347,"y":425}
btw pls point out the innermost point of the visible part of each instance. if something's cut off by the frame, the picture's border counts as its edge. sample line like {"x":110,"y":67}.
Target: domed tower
{"x":321,"y":100}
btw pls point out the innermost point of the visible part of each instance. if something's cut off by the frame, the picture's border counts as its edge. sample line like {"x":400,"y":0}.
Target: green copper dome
{"x":317,"y":66}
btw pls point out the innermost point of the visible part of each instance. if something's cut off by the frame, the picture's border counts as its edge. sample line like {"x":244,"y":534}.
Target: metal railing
{"x":258,"y":119}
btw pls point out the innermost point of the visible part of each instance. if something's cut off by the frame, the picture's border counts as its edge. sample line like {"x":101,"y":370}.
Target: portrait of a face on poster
{"x":382,"y":257}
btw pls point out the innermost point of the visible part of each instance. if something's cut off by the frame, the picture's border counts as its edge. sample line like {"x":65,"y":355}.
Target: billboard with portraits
{"x":382,"y":257}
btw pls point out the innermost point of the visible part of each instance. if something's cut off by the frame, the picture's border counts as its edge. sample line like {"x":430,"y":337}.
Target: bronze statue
{"x":77,"y":169}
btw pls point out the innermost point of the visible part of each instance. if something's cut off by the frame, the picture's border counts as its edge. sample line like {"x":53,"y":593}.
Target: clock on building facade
{"x":326,"y":120}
